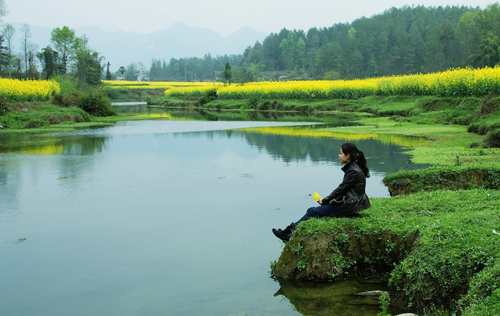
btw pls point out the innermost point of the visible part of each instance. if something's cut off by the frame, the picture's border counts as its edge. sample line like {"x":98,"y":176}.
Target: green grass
{"x":443,"y":178}
{"x":33,"y":115}
{"x":447,"y":141}
{"x":433,"y":244}
{"x":129,"y":95}
{"x":487,"y":307}
{"x":483,"y":297}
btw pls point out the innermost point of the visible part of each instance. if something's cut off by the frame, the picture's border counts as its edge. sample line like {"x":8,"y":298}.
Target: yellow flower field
{"x":451,"y":83}
{"x":455,"y":82}
{"x":13,"y":90}
{"x":284,"y":90}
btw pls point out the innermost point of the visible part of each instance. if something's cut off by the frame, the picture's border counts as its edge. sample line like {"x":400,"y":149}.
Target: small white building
{"x":142,"y":76}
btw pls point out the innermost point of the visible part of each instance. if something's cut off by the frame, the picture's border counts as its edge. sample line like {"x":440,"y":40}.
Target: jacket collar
{"x":348,"y":165}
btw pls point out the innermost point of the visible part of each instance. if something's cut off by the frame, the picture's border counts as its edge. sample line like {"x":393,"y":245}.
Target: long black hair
{"x":357,"y":156}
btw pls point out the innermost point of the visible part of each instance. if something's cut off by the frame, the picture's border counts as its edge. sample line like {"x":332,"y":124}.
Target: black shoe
{"x":285,"y":234}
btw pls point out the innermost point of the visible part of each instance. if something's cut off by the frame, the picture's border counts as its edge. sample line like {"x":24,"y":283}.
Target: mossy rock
{"x":328,"y":256}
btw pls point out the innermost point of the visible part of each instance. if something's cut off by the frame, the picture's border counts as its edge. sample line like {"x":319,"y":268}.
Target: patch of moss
{"x":451,"y":178}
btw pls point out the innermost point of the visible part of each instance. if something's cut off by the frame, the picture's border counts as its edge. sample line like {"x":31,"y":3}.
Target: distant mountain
{"x":178,"y":41}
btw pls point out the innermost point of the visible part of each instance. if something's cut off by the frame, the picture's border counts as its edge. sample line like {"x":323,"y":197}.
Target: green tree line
{"x":407,"y":40}
{"x":207,"y":68}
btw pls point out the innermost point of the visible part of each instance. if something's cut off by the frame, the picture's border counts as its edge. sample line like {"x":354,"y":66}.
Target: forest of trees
{"x":405,"y":40}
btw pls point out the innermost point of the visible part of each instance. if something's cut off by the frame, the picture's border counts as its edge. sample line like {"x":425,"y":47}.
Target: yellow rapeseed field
{"x":464,"y":82}
{"x":13,"y":90}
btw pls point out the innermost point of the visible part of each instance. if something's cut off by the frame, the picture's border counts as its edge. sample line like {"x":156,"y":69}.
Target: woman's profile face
{"x":343,"y":157}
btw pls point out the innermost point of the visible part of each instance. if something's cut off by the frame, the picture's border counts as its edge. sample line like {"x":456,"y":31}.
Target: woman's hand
{"x":320,"y":201}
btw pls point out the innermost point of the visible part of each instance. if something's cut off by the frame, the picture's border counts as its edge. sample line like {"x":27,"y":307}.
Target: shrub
{"x":113,"y":93}
{"x":252,"y":103}
{"x":35,"y":123}
{"x":492,"y":139}
{"x":65,"y":100}
{"x":66,"y":84}
{"x":264,"y":106}
{"x":489,"y":104}
{"x":95,"y":103}
{"x":3,"y":107}
{"x":208,"y":97}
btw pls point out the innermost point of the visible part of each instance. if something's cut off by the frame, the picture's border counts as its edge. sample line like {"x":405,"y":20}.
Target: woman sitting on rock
{"x":347,"y":199}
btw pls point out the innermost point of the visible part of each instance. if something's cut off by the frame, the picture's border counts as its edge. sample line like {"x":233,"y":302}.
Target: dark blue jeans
{"x":331,"y":210}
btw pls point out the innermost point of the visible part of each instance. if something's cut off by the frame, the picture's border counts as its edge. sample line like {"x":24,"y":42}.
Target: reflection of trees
{"x":381,"y":157}
{"x":82,"y":145}
{"x":9,"y":186}
{"x":51,"y":144}
{"x":338,"y":298}
{"x":335,"y":119}
{"x":71,"y":167}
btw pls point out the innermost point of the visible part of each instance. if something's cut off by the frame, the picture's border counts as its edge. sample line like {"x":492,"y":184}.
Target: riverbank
{"x":35,"y":117}
{"x":482,"y":113}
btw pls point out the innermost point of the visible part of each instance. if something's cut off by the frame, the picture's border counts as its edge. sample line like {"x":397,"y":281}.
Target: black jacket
{"x":351,"y":192}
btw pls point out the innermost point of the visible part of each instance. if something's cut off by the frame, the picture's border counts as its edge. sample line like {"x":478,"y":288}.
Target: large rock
{"x":329,"y":256}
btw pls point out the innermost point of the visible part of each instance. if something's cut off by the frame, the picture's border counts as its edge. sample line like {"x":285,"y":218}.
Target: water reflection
{"x":50,"y":144}
{"x":301,"y":143}
{"x":286,"y":143}
{"x":163,"y":217}
{"x":9,"y":184}
{"x":146,"y":111}
{"x":343,"y":298}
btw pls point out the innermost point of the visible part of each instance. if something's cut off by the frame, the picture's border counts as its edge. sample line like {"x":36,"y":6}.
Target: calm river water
{"x":166,"y":217}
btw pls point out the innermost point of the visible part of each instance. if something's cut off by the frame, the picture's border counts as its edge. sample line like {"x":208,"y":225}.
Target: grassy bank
{"x":33,"y":115}
{"x":439,"y":249}
{"x":481,"y":113}
{"x":131,"y":95}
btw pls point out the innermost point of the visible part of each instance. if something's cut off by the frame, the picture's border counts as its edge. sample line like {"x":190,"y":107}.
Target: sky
{"x":222,"y":16}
